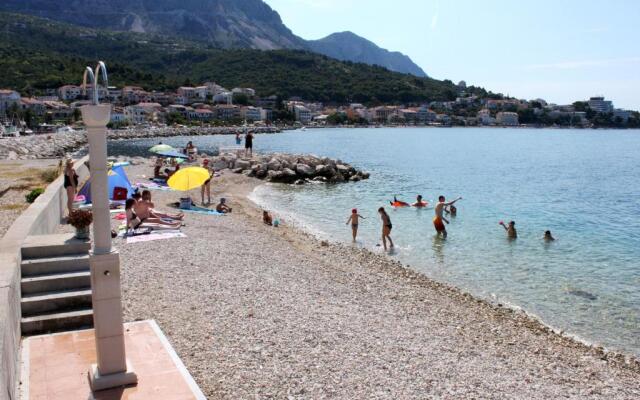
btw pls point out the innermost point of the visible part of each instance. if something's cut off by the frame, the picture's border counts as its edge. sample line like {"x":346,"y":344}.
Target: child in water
{"x":511,"y":229}
{"x":354,"y":219}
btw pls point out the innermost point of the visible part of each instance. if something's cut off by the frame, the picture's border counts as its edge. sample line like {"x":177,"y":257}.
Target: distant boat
{"x":65,"y":129}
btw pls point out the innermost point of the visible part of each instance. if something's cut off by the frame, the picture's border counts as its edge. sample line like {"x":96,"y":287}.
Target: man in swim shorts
{"x":439,"y":219}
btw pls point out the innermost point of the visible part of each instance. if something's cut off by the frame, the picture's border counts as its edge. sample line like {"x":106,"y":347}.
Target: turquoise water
{"x":584,"y":186}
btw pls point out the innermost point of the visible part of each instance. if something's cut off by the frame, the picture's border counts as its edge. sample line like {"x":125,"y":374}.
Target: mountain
{"x":220,"y":23}
{"x":38,"y":54}
{"x":348,"y":46}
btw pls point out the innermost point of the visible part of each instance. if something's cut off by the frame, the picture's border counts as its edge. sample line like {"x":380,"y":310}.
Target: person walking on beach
{"x":354,"y":219}
{"x":439,"y":219}
{"x":386,"y":228}
{"x":511,"y":229}
{"x":248,"y":144}
{"x":70,"y":183}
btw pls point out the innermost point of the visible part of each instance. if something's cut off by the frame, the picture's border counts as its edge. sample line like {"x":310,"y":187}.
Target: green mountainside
{"x":36,"y":54}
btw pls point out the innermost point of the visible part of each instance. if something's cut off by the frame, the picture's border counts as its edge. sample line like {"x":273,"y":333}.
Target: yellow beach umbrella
{"x":188,"y":178}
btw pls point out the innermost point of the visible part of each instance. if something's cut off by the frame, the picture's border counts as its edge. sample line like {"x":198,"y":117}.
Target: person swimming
{"x":419,"y":202}
{"x":511,"y":229}
{"x":451,"y":210}
{"x":398,"y":203}
{"x":547,"y":237}
{"x":354,"y":219}
{"x":439,"y":219}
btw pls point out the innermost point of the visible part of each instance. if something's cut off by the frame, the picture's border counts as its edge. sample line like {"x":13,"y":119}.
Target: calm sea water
{"x":584,"y":186}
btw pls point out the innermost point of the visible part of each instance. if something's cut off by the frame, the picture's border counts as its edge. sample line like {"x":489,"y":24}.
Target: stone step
{"x":51,"y":265}
{"x":55,"y":302}
{"x":45,"y":246}
{"x":56,"y":282}
{"x":57,"y":322}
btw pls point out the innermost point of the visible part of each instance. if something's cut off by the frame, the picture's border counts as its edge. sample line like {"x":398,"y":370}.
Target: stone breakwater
{"x":290,"y":168}
{"x":60,"y":144}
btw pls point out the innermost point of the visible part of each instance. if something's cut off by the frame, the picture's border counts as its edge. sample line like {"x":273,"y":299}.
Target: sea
{"x":582,"y":185}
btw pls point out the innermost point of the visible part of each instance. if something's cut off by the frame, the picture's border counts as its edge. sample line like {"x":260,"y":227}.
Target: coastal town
{"x":211,"y":104}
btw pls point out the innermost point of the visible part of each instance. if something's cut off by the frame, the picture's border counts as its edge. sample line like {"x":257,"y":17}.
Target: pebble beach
{"x":261,"y":312}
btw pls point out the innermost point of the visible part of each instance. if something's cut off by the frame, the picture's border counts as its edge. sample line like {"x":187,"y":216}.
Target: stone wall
{"x":42,"y":217}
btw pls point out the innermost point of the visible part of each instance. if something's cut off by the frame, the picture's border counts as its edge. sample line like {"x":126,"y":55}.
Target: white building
{"x":507,"y":118}
{"x":246,"y":91}
{"x":251,"y":113}
{"x":303,"y":114}
{"x":599,"y":104}
{"x":223,"y":98}
{"x":484,"y":117}
{"x":69,"y":92}
{"x":117,"y":115}
{"x":142,"y":112}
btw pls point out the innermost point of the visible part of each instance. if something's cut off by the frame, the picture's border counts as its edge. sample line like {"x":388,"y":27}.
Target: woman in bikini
{"x":70,"y":183}
{"x":134,"y":222}
{"x":386,"y":228}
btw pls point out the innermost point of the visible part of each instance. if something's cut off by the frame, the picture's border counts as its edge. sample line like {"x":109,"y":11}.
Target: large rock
{"x":288,"y":175}
{"x":244,"y":164}
{"x":274,"y":176}
{"x":274,"y":165}
{"x":343,"y":170}
{"x":220,"y":164}
{"x":304,"y":170}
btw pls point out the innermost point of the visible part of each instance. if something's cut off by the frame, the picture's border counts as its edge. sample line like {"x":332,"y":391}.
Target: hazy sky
{"x":558,"y":50}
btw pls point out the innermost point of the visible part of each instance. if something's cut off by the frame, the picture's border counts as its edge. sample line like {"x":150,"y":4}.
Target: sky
{"x":561,"y":51}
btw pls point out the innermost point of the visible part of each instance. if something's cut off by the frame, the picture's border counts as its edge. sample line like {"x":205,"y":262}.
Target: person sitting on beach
{"x":266,"y":218}
{"x":134,"y":221}
{"x":206,"y":186}
{"x":167,"y":173}
{"x":511,"y":229}
{"x":419,"y":202}
{"x":157,"y":166}
{"x":222,"y":206}
{"x":354,"y":219}
{"x":439,"y":219}
{"x":145,"y":200}
{"x":386,"y":228}
{"x":547,"y":237}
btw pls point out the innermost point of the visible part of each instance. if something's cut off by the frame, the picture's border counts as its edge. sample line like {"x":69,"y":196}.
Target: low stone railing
{"x":41,"y":218}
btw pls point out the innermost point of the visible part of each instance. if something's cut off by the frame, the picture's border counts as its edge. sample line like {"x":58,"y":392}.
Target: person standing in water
{"x":511,"y":229}
{"x":248,"y":144}
{"x":547,"y":237}
{"x":419,"y":202}
{"x":354,"y":219}
{"x":386,"y":228}
{"x":439,"y":219}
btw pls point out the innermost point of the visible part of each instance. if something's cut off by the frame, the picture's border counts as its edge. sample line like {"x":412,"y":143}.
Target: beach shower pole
{"x":112,"y":369}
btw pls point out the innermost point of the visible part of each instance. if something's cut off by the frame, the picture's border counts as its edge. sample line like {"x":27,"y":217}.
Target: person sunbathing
{"x":222,"y":207}
{"x":134,"y":221}
{"x":146,"y":201}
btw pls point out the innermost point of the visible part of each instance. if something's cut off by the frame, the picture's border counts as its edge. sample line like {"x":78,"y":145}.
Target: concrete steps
{"x":64,"y":321}
{"x":56,"y":284}
{"x":54,"y":302}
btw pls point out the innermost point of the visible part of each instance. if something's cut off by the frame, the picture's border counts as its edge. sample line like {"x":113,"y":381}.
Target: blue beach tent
{"x":116,"y":178}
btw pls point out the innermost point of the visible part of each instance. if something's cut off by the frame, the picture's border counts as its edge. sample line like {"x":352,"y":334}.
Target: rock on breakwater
{"x":290,"y":168}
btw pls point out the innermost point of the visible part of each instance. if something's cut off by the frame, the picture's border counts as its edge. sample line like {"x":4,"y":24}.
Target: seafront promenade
{"x":262,"y":312}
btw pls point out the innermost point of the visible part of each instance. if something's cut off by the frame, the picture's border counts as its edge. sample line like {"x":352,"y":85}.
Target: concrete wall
{"x":41,"y":218}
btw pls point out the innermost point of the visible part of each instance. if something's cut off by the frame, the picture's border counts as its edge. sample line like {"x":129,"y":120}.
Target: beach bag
{"x":185,"y":203}
{"x":120,"y":193}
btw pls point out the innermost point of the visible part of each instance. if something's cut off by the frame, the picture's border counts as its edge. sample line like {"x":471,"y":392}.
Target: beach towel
{"x":202,"y":210}
{"x":155,"y":236}
{"x":152,"y":186}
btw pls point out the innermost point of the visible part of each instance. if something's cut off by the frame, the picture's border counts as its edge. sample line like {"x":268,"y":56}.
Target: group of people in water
{"x":441,"y":208}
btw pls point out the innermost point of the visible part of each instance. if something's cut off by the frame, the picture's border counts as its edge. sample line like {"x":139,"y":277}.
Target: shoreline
{"x":496,"y":305}
{"x":274,"y":276}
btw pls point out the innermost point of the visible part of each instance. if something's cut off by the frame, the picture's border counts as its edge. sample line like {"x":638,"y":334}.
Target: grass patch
{"x":49,"y":175}
{"x":12,"y":207}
